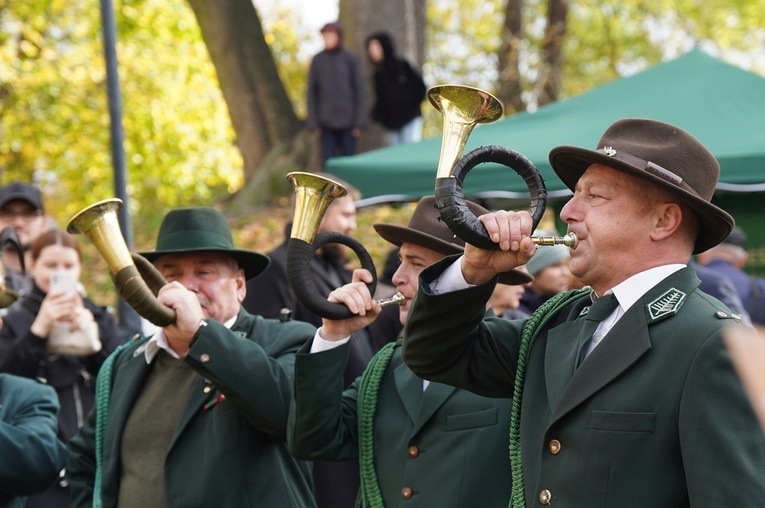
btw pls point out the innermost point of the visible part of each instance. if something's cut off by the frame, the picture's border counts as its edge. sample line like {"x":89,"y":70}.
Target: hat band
{"x":193,"y":240}
{"x":648,"y":167}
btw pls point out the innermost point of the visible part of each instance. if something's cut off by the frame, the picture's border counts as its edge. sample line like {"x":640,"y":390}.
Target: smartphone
{"x":63,"y":281}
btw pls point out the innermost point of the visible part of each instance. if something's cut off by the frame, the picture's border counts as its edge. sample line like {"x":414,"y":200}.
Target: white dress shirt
{"x":627,"y":292}
{"x":159,"y":341}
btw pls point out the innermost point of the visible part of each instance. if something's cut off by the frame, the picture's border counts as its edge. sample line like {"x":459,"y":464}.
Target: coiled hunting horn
{"x":313,"y":194}
{"x":463,"y":107}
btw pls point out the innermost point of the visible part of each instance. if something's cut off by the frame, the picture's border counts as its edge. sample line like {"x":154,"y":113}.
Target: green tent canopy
{"x":722,"y":105}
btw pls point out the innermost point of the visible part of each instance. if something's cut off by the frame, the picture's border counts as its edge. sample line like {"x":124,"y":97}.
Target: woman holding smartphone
{"x":56,"y":334}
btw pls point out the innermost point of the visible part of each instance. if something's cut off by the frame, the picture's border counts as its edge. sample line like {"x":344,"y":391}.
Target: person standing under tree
{"x":336,"y":105}
{"x":399,"y":91}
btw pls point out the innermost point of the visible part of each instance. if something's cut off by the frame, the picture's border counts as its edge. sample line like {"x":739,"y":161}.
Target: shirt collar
{"x":159,"y":341}
{"x":631,"y":290}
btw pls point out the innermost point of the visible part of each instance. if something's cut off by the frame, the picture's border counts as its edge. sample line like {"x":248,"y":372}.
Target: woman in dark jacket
{"x":26,"y":347}
{"x":399,"y":90}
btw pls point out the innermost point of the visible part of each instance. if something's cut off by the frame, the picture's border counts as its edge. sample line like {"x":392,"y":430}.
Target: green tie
{"x":600,"y":309}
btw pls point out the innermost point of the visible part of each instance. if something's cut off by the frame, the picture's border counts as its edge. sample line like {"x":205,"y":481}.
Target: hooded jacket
{"x":398,"y":88}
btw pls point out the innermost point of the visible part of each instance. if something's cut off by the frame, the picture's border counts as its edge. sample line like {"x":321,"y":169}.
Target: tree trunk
{"x":549,"y":84}
{"x":404,"y":20}
{"x":268,"y":132}
{"x":509,"y":87}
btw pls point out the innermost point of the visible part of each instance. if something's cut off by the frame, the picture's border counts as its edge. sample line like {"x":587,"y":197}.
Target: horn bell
{"x":462,"y":107}
{"x":313,"y":195}
{"x":100,"y":225}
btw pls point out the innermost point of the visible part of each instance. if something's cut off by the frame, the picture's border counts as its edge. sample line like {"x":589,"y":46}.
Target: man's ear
{"x":668,"y":217}
{"x":241,"y":285}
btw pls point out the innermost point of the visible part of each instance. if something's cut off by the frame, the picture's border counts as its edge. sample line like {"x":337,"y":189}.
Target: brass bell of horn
{"x":136,"y":279}
{"x":313,"y":194}
{"x":463,"y":107}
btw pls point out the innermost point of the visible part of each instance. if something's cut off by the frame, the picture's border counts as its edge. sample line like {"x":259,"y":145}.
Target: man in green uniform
{"x":198,"y":412}
{"x":418,"y":443}
{"x":32,"y":455}
{"x":645,"y":411}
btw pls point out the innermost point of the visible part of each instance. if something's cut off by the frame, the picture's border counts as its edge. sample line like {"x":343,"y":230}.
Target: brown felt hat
{"x":426,"y":229}
{"x":662,"y":154}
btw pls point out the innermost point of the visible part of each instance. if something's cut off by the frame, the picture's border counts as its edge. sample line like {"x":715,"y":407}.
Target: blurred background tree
{"x":54,"y":122}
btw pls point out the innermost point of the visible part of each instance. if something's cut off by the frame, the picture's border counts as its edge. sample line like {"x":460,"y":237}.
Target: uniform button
{"x":204,"y":358}
{"x":555,"y":447}
{"x":406,"y":492}
{"x":545,"y":496}
{"x":413,"y":451}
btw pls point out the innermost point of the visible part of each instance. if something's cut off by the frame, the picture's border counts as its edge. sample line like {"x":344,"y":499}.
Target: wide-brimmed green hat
{"x":203,"y":229}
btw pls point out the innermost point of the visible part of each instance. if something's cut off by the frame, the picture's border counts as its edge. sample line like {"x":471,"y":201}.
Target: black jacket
{"x":24,"y":354}
{"x":335,"y":92}
{"x":399,"y":90}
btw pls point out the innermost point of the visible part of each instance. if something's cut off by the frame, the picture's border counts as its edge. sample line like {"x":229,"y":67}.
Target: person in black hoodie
{"x":399,"y":90}
{"x":27,"y":350}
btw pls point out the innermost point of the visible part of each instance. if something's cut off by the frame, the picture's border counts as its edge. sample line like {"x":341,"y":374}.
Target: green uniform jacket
{"x":447,"y":447}
{"x":31,"y":454}
{"x":654,"y":417}
{"x":225,"y":453}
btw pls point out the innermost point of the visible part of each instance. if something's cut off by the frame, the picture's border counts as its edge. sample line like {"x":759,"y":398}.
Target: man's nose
{"x":188,"y":280}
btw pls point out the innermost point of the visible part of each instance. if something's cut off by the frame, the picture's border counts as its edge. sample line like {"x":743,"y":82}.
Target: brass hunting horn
{"x":463,"y":107}
{"x":313,"y":194}
{"x":136,"y":279}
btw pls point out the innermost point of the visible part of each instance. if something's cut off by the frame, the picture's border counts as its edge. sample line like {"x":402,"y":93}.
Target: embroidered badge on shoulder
{"x":666,"y":305}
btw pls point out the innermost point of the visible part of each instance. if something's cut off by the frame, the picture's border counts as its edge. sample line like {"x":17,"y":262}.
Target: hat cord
{"x":370,"y":495}
{"x":103,"y":399}
{"x":531,"y":329}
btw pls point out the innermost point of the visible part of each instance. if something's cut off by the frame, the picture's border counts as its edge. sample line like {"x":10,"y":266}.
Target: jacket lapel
{"x":420,"y":404}
{"x":629,"y":340}
{"x":199,"y":397}
{"x":560,"y":359}
{"x":624,"y":344}
{"x":130,"y":379}
{"x":204,"y":396}
{"x":432,"y":399}
{"x":126,"y":386}
{"x":409,"y":388}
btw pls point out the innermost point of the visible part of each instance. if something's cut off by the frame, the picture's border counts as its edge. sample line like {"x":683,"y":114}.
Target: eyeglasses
{"x":25,"y":215}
